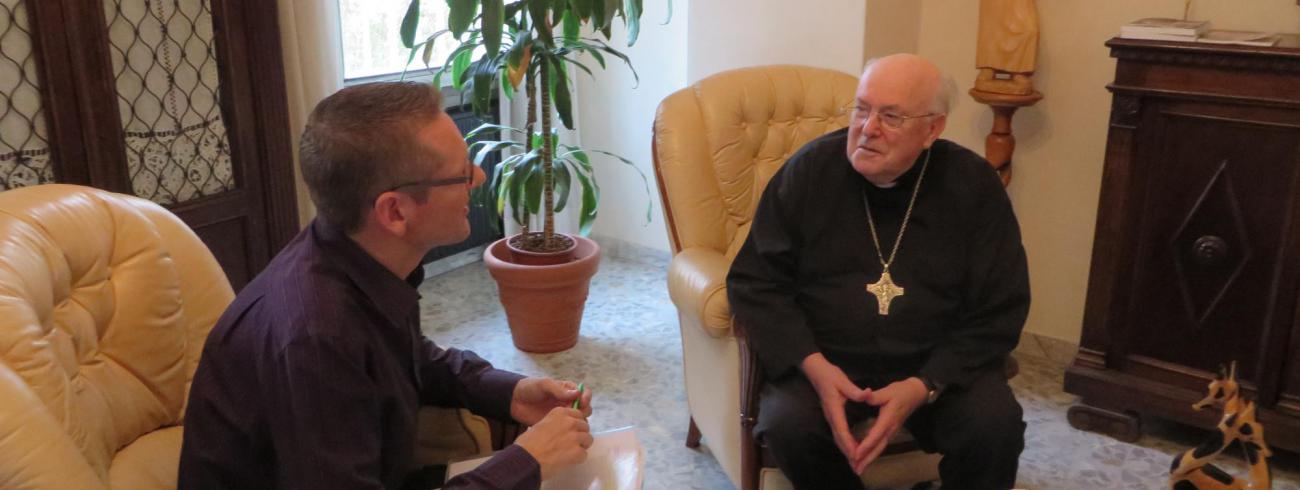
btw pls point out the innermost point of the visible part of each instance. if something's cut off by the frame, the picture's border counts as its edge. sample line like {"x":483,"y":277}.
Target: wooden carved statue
{"x":1192,"y":469}
{"x":1007,"y":48}
{"x":1005,"y":54}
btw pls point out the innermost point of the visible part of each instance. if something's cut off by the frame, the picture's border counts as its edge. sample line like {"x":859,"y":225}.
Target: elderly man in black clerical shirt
{"x":313,"y":377}
{"x":884,"y":275}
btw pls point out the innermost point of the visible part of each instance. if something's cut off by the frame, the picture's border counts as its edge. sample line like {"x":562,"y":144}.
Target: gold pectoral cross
{"x":885,"y":291}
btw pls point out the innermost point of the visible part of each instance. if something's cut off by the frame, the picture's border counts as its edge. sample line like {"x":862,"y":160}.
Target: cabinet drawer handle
{"x":1209,"y":250}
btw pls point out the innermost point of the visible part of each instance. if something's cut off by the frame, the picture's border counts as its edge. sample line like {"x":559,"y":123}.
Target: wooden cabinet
{"x":1196,"y":259}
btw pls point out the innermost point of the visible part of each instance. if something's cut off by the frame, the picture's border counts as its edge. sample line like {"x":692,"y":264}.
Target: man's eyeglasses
{"x":467,"y":179}
{"x":891,"y":120}
{"x":432,"y":183}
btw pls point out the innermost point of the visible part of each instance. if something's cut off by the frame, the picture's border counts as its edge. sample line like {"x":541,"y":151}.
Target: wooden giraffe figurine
{"x":1192,"y":469}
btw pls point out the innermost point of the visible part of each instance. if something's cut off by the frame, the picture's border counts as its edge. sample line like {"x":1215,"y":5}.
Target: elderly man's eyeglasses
{"x":891,"y":120}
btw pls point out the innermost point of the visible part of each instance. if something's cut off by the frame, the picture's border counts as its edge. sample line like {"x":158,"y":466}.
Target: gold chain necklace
{"x":885,"y":290}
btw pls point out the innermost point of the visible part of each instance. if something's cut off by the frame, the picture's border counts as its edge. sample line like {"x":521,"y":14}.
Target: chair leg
{"x":693,"y":435}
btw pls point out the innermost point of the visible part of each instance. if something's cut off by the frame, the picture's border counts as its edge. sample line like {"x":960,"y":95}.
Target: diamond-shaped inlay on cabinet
{"x":1196,"y":257}
{"x":1210,"y":248}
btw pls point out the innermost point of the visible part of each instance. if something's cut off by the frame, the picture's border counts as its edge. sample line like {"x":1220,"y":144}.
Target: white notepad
{"x":615,"y":461}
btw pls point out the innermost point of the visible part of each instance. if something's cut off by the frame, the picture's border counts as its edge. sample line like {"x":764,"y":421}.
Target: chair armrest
{"x":697,"y":284}
{"x":449,"y":434}
{"x":504,"y":432}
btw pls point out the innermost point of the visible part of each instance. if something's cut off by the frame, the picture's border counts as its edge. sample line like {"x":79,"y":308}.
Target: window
{"x":371,"y":43}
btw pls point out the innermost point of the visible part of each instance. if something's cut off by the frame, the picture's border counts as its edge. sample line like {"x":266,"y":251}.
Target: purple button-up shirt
{"x":313,"y":377}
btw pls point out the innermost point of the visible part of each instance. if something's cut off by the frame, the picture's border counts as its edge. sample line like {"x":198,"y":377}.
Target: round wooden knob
{"x":1209,"y":250}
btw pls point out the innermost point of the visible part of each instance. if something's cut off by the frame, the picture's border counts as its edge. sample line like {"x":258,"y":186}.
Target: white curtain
{"x":313,"y":69}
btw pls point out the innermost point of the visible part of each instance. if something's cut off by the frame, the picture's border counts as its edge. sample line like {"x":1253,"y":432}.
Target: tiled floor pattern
{"x":630,"y":354}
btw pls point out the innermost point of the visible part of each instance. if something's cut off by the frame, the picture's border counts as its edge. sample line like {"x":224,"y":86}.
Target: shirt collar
{"x":396,"y":298}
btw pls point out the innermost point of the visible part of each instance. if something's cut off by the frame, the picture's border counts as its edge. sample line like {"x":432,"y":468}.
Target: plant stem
{"x":530,"y":87}
{"x":548,"y":212}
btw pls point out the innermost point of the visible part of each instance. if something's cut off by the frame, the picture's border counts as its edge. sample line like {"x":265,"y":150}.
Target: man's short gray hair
{"x":945,"y":95}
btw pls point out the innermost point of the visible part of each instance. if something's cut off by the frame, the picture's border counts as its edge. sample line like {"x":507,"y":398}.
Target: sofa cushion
{"x":149,"y":463}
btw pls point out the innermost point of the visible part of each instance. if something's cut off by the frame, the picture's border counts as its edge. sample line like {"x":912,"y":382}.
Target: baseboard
{"x":454,"y":261}
{"x":620,"y":249}
{"x":1051,"y":349}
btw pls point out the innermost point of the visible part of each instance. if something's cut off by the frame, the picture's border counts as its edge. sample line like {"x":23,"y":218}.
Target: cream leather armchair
{"x":105,"y":302}
{"x":716,"y":144}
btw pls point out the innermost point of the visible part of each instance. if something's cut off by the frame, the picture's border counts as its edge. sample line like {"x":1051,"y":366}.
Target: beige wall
{"x":616,"y":113}
{"x":891,"y":27}
{"x":1060,"y":142}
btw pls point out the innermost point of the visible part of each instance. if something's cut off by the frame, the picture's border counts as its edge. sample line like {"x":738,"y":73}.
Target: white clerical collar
{"x":884,"y":186}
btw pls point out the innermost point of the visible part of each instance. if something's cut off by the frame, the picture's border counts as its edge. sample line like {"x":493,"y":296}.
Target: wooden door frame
{"x":87,"y":140}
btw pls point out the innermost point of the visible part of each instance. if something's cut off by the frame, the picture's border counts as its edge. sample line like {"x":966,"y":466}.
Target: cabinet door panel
{"x":1209,"y":263}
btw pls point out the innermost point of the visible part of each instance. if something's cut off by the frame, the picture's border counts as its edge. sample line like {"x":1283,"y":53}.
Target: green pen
{"x":578,"y":401}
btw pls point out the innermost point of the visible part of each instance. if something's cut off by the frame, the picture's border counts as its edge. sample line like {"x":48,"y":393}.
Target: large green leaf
{"x":644,"y":180}
{"x":578,"y":154}
{"x":560,"y":90}
{"x":636,"y":78}
{"x":487,"y":148}
{"x":506,"y":88}
{"x":521,"y":46}
{"x":582,"y":8}
{"x":588,"y":48}
{"x":562,"y":180}
{"x":597,"y":13}
{"x":461,"y":16}
{"x":572,"y":26}
{"x":514,"y":192}
{"x":632,"y":8}
{"x":506,"y":187}
{"x":492,"y":22}
{"x":483,"y":74}
{"x":485,"y":127}
{"x":537,"y":11}
{"x":579,"y":64}
{"x":458,"y":67}
{"x":409,"y":22}
{"x":612,"y":8}
{"x":533,"y":189}
{"x":590,"y":196}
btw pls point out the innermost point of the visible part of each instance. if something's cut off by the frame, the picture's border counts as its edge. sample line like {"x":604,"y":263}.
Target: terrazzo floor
{"x":629,"y":353}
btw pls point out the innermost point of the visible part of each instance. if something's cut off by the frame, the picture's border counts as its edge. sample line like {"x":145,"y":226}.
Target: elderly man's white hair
{"x":944,"y":96}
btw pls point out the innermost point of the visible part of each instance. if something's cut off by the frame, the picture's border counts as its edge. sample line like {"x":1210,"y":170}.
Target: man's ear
{"x":388,"y":213}
{"x":936,"y":128}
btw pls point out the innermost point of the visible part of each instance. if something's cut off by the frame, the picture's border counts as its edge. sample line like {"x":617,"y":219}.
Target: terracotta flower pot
{"x":529,"y":257}
{"x":543,"y":302}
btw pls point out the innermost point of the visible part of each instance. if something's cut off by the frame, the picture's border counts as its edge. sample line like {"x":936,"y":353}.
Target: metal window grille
{"x":24,"y":146}
{"x":165,"y":66}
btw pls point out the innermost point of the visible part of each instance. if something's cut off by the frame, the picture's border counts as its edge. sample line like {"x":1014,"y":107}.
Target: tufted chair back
{"x":720,"y":141}
{"x":105,"y":302}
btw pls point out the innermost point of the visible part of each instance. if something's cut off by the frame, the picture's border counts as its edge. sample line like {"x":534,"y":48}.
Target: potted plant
{"x":542,"y":276}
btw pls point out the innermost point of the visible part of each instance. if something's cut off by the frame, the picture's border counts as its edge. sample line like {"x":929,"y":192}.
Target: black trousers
{"x":979,"y":430}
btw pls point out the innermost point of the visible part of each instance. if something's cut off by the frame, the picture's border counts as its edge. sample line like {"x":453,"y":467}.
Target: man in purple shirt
{"x":315,"y":373}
